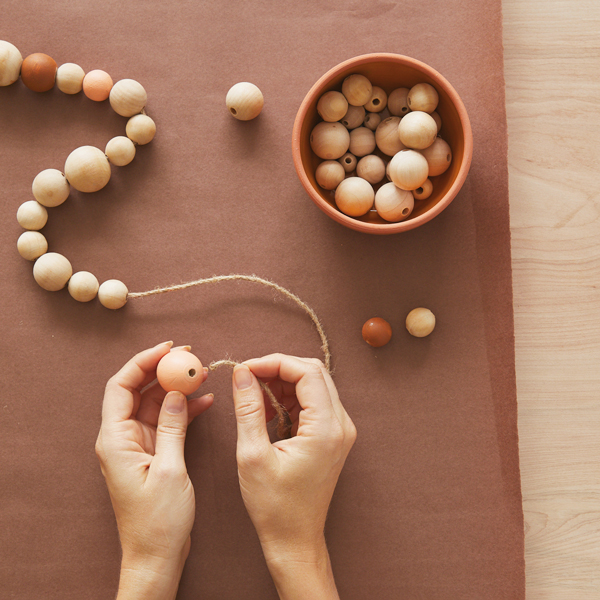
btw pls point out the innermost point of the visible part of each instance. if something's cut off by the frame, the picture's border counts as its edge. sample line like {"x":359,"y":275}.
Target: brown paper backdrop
{"x":429,"y":503}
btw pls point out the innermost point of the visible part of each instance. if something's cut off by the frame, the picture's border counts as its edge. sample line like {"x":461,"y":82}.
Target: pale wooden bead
{"x":378,"y":100}
{"x":397,"y":102}
{"x":329,"y":140}
{"x":32,"y":215}
{"x":113,"y":294}
{"x":417,"y":130}
{"x":330,"y":174}
{"x":354,"y":196}
{"x":424,"y":191}
{"x":50,"y":187}
{"x":244,"y":101}
{"x":362,"y":141}
{"x":423,"y":97}
{"x":31,"y":245}
{"x":120,"y":151}
{"x":387,"y":138}
{"x":332,"y":106}
{"x":408,"y":169}
{"x":438,"y":156}
{"x":97,"y":85}
{"x":438,"y":120}
{"x":69,"y":78}
{"x":372,"y":120}
{"x":52,"y":271}
{"x":357,"y":89}
{"x":348,"y":161}
{"x":83,"y":286}
{"x":140,"y":129}
{"x":180,"y":372}
{"x":371,"y":168}
{"x":10,"y":63}
{"x":354,"y":117}
{"x":420,"y":322}
{"x":127,"y":97}
{"x":87,"y":169}
{"x":393,"y":204}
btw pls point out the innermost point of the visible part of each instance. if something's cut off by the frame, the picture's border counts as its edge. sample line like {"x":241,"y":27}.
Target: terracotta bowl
{"x":388,"y":71}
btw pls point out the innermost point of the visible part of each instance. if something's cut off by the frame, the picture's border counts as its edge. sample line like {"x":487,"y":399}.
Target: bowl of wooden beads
{"x":382,"y":143}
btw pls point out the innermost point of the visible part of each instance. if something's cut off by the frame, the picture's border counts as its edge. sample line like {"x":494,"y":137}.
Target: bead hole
{"x":233,"y":111}
{"x":419,"y":190}
{"x":192,"y":372}
{"x":405,"y":211}
{"x":348,"y":160}
{"x":345,"y":123}
{"x":376,"y":101}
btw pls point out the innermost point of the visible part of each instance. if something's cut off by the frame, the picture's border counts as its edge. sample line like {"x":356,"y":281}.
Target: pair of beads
{"x":377,"y":332}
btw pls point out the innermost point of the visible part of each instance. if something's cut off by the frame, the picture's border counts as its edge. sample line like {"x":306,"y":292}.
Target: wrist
{"x":149,"y":578}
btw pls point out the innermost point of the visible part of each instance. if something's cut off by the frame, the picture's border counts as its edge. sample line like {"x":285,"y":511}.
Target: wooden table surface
{"x":552,"y":68}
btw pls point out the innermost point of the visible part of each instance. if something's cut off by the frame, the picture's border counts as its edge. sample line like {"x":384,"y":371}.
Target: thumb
{"x":249,"y":410}
{"x":171,"y":430}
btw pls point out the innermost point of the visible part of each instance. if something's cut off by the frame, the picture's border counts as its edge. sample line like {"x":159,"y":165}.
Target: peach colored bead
{"x":393,"y":204}
{"x":113,"y":294}
{"x":10,"y":63}
{"x":180,"y":371}
{"x":120,"y":151}
{"x":387,"y":138}
{"x":348,"y":161}
{"x":330,"y":174}
{"x":97,"y":85}
{"x":362,"y":141}
{"x":332,"y":106}
{"x":397,"y":102}
{"x":357,"y":89}
{"x":329,"y":140}
{"x":423,"y":192}
{"x":32,"y":215}
{"x":417,"y":130}
{"x":420,"y":322}
{"x":371,"y":168}
{"x":438,"y":156}
{"x":354,"y":196}
{"x":423,"y":97}
{"x":69,"y":78}
{"x":354,"y":117}
{"x":127,"y":97}
{"x":31,"y":245}
{"x":83,"y":286}
{"x":50,"y":188}
{"x":87,"y":169}
{"x":52,"y":271}
{"x":378,"y":100}
{"x":140,"y":129}
{"x":408,"y":169}
{"x":372,"y":121}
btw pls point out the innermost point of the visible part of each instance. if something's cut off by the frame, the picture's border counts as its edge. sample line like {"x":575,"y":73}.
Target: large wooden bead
{"x":127,"y":97}
{"x":50,"y":187}
{"x":397,"y":102}
{"x":329,"y":140}
{"x":244,"y":101}
{"x":362,"y":141}
{"x":354,"y":196}
{"x":423,"y":192}
{"x":140,"y":129}
{"x":357,"y":89}
{"x":378,"y":100}
{"x":348,"y":161}
{"x":180,"y":371}
{"x":371,"y":168}
{"x":417,"y":130}
{"x":329,"y":174}
{"x":87,"y":169}
{"x":332,"y":106}
{"x":420,"y":322}
{"x":408,"y":169}
{"x":113,"y":294}
{"x":120,"y":151}
{"x":69,"y":78}
{"x":393,"y":204}
{"x":372,"y":121}
{"x":31,"y":245}
{"x":423,"y":97}
{"x":38,"y":72}
{"x":438,"y":156}
{"x":354,"y":117}
{"x":97,"y":85}
{"x":83,"y":286}
{"x":10,"y":63}
{"x":387,"y":138}
{"x":52,"y":271}
{"x":32,"y":215}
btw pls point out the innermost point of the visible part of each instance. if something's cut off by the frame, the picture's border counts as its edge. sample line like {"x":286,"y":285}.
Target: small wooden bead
{"x":140,"y":129}
{"x":113,"y":294}
{"x":87,"y":169}
{"x":438,"y":156}
{"x":83,"y":286}
{"x":409,"y":169}
{"x":417,"y":130}
{"x":397,"y":102}
{"x":362,"y":141}
{"x":31,"y":245}
{"x":378,"y":100}
{"x":377,"y":332}
{"x":357,"y":89}
{"x":97,"y":85}
{"x":354,"y":117}
{"x":127,"y":97}
{"x":423,"y":97}
{"x":52,"y":271}
{"x":50,"y":187}
{"x":180,"y":371}
{"x":332,"y":106}
{"x":32,"y":215}
{"x":330,"y":174}
{"x":120,"y":151}
{"x":69,"y":78}
{"x":38,"y":72}
{"x":329,"y":140}
{"x":438,"y":120}
{"x":244,"y":101}
{"x":354,"y":196}
{"x":10,"y":63}
{"x":393,"y":204}
{"x":371,"y":168}
{"x":423,"y":192}
{"x":348,"y":161}
{"x":372,"y":121}
{"x":420,"y":322}
{"x":387,"y":138}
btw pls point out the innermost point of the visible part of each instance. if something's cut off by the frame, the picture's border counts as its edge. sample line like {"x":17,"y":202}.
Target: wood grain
{"x":552,"y":65}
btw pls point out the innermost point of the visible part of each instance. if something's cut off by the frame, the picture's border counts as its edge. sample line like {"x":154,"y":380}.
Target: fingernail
{"x":185,"y":348}
{"x":174,"y":402}
{"x":241,"y":377}
{"x":170,"y":343}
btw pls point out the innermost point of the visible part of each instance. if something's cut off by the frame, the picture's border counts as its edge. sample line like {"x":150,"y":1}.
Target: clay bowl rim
{"x":377,"y":228}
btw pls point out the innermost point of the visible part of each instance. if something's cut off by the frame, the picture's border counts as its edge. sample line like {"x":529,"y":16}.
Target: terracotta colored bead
{"x":362,"y":141}
{"x":330,"y":174}
{"x":97,"y":85}
{"x":52,"y":271}
{"x":417,"y":130}
{"x":357,"y":89}
{"x":378,"y":100}
{"x":113,"y":294}
{"x":408,"y":169}
{"x":332,"y":106}
{"x":438,"y":120}
{"x":387,"y":138}
{"x":329,"y":140}
{"x":372,"y":120}
{"x":32,"y":215}
{"x":420,"y":322}
{"x":354,"y":196}
{"x":371,"y":168}
{"x":31,"y":245}
{"x":87,"y":169}
{"x":127,"y":97}
{"x":83,"y":286}
{"x":393,"y":204}
{"x":140,"y":129}
{"x":69,"y":78}
{"x":397,"y":102}
{"x":120,"y":151}
{"x":423,"y":97}
{"x":244,"y":101}
{"x":377,"y":332}
{"x":10,"y":63}
{"x":354,"y":117}
{"x":38,"y":72}
{"x":50,"y":187}
{"x":180,"y":371}
{"x":348,"y":161}
{"x":423,"y":192}
{"x":438,"y":156}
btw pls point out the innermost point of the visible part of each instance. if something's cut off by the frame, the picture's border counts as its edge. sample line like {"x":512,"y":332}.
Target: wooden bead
{"x":408,"y":169}
{"x":113,"y":294}
{"x":423,"y":192}
{"x":329,"y":140}
{"x":32,"y":215}
{"x":38,"y":72}
{"x":357,"y":89}
{"x":10,"y":63}
{"x":420,"y":322}
{"x":438,"y":120}
{"x":393,"y":204}
{"x":127,"y":97}
{"x":378,"y":100}
{"x":417,"y":130}
{"x":330,"y":174}
{"x":87,"y":169}
{"x":69,"y":78}
{"x":423,"y":97}
{"x":348,"y":161}
{"x":83,"y":286}
{"x":31,"y":245}
{"x":120,"y":151}
{"x":377,"y":332}
{"x":387,"y":138}
{"x":371,"y":168}
{"x":354,"y":117}
{"x":244,"y":101}
{"x":372,"y":120}
{"x":97,"y":85}
{"x":438,"y":156}
{"x":52,"y":271}
{"x":180,"y":371}
{"x":397,"y":102}
{"x":50,"y":187}
{"x":362,"y":141}
{"x":140,"y":129}
{"x":354,"y":196}
{"x":332,"y":106}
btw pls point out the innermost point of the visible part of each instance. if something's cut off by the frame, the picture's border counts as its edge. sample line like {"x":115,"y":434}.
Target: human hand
{"x":140,"y":447}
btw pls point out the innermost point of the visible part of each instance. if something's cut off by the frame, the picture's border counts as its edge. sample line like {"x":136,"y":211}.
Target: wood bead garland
{"x":417,"y":130}
{"x":357,"y":89}
{"x":244,"y":101}
{"x":332,"y":106}
{"x":371,"y":168}
{"x":52,"y":271}
{"x":97,"y":85}
{"x":438,"y":156}
{"x":354,"y":196}
{"x":32,"y":215}
{"x":127,"y":97}
{"x":420,"y":322}
{"x":120,"y":151}
{"x":50,"y":188}
{"x":31,"y":245}
{"x":424,"y":191}
{"x":423,"y":96}
{"x":329,"y":140}
{"x":113,"y":294}
{"x":354,"y":117}
{"x":83,"y":286}
{"x":348,"y":161}
{"x":38,"y":72}
{"x":180,"y":371}
{"x":10,"y":63}
{"x":87,"y":169}
{"x":140,"y":129}
{"x":393,"y":204}
{"x":408,"y":169}
{"x":330,"y":174}
{"x":69,"y":78}
{"x":362,"y":141}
